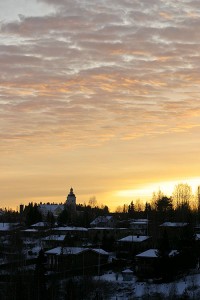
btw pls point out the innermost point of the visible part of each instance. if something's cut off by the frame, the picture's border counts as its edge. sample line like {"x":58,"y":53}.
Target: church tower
{"x":71,"y":200}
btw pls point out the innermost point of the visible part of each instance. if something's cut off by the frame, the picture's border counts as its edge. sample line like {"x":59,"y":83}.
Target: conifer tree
{"x":40,"y":290}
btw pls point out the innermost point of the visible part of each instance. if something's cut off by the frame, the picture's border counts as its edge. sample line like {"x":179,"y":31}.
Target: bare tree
{"x":92,"y":202}
{"x":155,"y":197}
{"x":182,"y":194}
{"x":119,"y":209}
{"x":139,"y":206}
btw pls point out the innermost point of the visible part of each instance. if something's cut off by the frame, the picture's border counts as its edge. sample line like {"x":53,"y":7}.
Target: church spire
{"x":71,"y":199}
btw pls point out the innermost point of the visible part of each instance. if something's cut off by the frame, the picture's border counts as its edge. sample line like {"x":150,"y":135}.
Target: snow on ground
{"x":128,"y":289}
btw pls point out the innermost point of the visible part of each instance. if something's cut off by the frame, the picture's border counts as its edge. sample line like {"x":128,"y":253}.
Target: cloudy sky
{"x":100,"y":95}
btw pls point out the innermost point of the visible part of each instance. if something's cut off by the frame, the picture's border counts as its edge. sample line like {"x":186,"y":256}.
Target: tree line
{"x":181,"y":206}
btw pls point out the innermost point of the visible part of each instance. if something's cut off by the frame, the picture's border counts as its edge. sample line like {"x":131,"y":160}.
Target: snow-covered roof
{"x":105,"y":228}
{"x":5,"y":226}
{"x":152,"y":253}
{"x":173,"y":224}
{"x":74,"y":250}
{"x":66,"y":250}
{"x":139,"y":221}
{"x":101,"y":219}
{"x":197,"y":236}
{"x":40,"y":224}
{"x":100,"y":251}
{"x":30,"y":230}
{"x":8,"y":226}
{"x":34,"y":252}
{"x":29,"y":242}
{"x":134,"y":238}
{"x":53,"y":208}
{"x":54,"y":238}
{"x":68,"y":228}
{"x":148,"y":253}
{"x":173,"y":252}
{"x":127,"y":271}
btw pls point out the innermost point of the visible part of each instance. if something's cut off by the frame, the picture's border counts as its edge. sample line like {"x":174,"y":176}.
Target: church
{"x":56,"y":209}
{"x":71,"y":200}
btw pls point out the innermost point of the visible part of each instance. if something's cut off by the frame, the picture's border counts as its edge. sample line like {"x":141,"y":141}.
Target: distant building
{"x":75,"y":236}
{"x":56,"y":209}
{"x":131,"y":245}
{"x":76,"y":260}
{"x":40,"y":226}
{"x":97,"y":234}
{"x":103,"y":221}
{"x":9,"y":228}
{"x":71,"y":200}
{"x":147,"y":263}
{"x":127,"y":275}
{"x":52,"y":241}
{"x":175,"y":230}
{"x":139,"y":226}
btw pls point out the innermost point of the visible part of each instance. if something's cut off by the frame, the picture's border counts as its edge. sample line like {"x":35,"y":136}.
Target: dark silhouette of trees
{"x":147,"y":208}
{"x":64,"y":217}
{"x":16,"y":246}
{"x":33,"y":215}
{"x":9,"y":216}
{"x":50,"y":219}
{"x":187,"y":247}
{"x":164,"y":266}
{"x":164,"y":208}
{"x":105,"y":210}
{"x":39,"y":283}
{"x":107,"y":242}
{"x":164,"y":204}
{"x":131,"y":210}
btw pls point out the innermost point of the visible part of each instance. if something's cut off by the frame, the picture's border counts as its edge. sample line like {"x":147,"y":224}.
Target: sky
{"x":102,"y":96}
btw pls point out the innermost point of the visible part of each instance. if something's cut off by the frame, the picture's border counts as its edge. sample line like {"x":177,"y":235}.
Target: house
{"x":30,"y":235}
{"x":127,"y":275}
{"x":30,"y":243}
{"x":55,"y":209}
{"x":174,"y":230}
{"x":131,"y":245}
{"x":147,"y":263}
{"x":8,"y":228}
{"x":75,"y":236}
{"x":98,"y":235}
{"x":103,"y":221}
{"x":40,"y":226}
{"x":139,"y":226}
{"x":53,"y":241}
{"x":76,"y":260}
{"x":80,"y":232}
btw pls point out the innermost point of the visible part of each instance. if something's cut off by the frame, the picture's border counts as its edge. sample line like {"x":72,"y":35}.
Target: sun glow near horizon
{"x":114,"y":199}
{"x":145,"y":192}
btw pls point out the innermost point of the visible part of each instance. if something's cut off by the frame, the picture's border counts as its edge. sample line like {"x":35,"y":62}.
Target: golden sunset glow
{"x":167,"y":187}
{"x":100,"y":96}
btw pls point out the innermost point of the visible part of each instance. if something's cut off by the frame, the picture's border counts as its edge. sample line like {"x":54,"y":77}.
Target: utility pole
{"x":99,"y":263}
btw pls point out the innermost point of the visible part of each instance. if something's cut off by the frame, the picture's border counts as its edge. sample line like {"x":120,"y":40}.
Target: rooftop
{"x":134,"y":239}
{"x":173,"y":224}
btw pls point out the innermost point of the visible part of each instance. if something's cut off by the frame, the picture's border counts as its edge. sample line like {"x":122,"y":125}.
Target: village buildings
{"x":107,"y":242}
